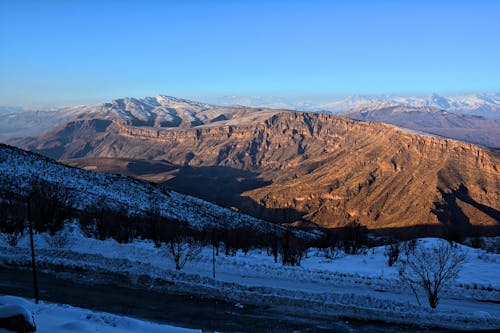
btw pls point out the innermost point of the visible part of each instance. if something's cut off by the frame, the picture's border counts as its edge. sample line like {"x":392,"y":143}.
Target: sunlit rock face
{"x":287,"y":166}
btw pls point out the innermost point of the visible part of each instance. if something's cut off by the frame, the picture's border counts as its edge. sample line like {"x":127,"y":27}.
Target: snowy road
{"x":320,"y":292}
{"x":390,"y":290}
{"x":179,"y":310}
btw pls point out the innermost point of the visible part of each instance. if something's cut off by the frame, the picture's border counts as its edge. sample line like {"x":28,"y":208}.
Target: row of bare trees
{"x":350,"y":239}
{"x":50,"y":206}
{"x":46,"y":206}
{"x":429,"y":268}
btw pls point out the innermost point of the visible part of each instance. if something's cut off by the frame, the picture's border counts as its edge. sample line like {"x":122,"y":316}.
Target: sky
{"x":55,"y":53}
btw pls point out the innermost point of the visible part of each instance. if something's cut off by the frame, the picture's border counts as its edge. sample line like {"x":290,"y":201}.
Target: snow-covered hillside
{"x":18,"y":168}
{"x":360,"y":286}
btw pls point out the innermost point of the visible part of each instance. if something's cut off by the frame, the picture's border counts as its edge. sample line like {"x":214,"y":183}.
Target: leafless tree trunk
{"x":33,"y":258}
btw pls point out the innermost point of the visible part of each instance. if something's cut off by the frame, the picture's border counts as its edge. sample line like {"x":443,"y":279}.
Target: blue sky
{"x":73,"y":52}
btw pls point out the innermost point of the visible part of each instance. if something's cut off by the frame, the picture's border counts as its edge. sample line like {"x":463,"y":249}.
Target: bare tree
{"x":353,"y":237}
{"x":272,"y":240}
{"x":181,"y":243}
{"x":12,"y":217}
{"x":392,"y":252}
{"x":293,"y":249}
{"x":431,"y":268}
{"x":50,"y":205}
{"x":13,"y":237}
{"x":183,"y":248}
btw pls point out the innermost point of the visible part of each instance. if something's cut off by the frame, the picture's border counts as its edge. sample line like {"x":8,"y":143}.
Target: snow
{"x":11,"y":310}
{"x":61,"y":318}
{"x":358,"y":286}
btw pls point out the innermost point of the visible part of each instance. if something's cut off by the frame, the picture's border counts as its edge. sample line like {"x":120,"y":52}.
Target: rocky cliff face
{"x":310,"y":168}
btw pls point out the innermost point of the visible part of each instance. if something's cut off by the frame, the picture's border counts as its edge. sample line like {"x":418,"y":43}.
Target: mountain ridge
{"x":306,"y":168}
{"x":469,"y":128}
{"x":165,"y":111}
{"x":483,"y":104}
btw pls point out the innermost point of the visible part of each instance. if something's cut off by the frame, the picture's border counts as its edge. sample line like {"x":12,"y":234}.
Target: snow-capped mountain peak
{"x":484,"y":104}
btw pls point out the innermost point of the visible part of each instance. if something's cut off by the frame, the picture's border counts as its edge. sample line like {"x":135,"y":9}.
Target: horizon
{"x":223,"y":100}
{"x":86,"y":52}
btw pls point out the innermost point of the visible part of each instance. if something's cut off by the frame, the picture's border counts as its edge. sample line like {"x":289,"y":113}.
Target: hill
{"x":19,"y":168}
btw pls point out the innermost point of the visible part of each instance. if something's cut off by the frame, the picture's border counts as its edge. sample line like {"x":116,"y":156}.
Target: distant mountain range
{"x":461,"y":118}
{"x":160,"y":111}
{"x":20,"y":122}
{"x":427,"y":119}
{"x":487,"y":105}
{"x":307,"y":169}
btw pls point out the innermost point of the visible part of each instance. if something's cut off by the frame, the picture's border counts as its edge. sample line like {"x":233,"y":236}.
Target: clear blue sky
{"x":67,"y":52}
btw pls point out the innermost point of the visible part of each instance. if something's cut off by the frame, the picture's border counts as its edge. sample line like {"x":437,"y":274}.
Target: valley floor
{"x":359,"y":287}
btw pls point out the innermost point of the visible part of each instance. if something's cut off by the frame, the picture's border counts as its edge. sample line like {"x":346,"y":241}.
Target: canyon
{"x":295,"y":168}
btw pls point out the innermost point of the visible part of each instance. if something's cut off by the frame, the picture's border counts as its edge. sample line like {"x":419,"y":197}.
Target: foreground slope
{"x":19,"y":168}
{"x":256,"y":288}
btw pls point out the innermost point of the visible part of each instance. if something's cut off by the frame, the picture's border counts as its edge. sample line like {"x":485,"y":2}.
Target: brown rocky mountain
{"x":295,"y":167}
{"x":158,"y":112}
{"x":469,"y":128}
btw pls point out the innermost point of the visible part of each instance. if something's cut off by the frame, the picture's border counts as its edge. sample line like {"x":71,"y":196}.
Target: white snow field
{"x":61,"y":318}
{"x":352,"y":286}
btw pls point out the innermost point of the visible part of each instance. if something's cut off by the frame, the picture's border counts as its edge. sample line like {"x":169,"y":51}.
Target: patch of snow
{"x":61,"y":318}
{"x":11,"y":310}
